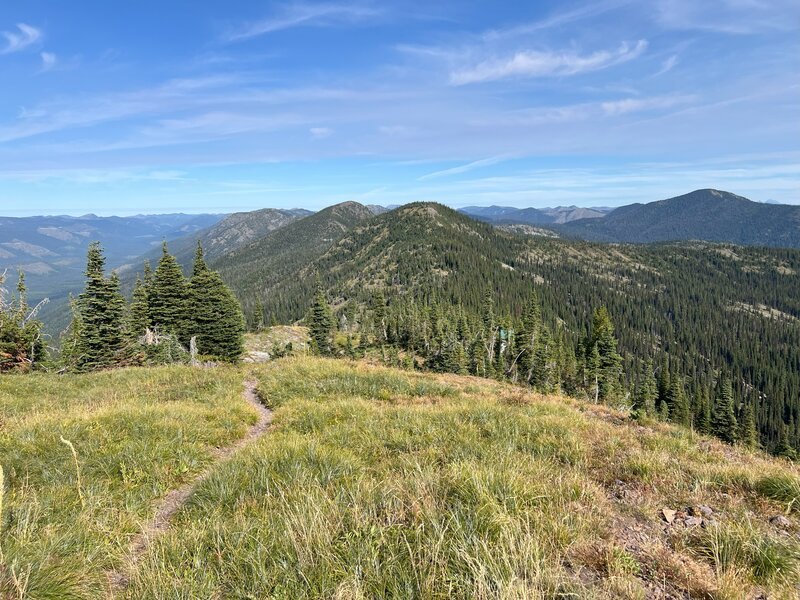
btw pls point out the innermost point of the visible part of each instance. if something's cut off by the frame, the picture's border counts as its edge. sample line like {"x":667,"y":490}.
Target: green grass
{"x":373,"y":483}
{"x":381,"y":483}
{"x":136,"y":433}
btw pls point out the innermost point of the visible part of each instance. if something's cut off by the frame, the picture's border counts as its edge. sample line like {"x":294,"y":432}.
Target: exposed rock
{"x":668,"y":514}
{"x":705,"y":511}
{"x":780,"y":521}
{"x":693,"y":521}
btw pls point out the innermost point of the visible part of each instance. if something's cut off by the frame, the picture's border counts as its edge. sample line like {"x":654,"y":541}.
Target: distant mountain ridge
{"x":705,"y":215}
{"x":507,"y":215}
{"x":228,"y":235}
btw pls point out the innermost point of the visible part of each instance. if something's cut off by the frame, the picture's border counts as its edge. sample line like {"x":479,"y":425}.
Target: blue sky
{"x":129,"y":107}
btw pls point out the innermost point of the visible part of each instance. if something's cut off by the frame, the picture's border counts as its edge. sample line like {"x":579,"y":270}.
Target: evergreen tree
{"x":609,"y":362}
{"x":723,"y":418}
{"x":21,"y":344}
{"x":784,"y":447}
{"x":379,"y":316}
{"x":320,"y":323}
{"x":702,"y":419}
{"x":644,"y":400}
{"x":98,"y":332}
{"x":215,"y":316}
{"x":168,"y":297}
{"x":748,"y":434}
{"x":139,"y":310}
{"x":677,"y":403}
{"x":528,"y":337}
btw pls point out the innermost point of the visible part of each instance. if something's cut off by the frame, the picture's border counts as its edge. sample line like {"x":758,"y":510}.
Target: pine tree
{"x":748,"y":434}
{"x":215,"y":315}
{"x":528,"y":337}
{"x":139,"y":310}
{"x":644,"y":400}
{"x":784,"y":447}
{"x":320,"y":323}
{"x":677,"y":403}
{"x":98,"y":331}
{"x":702,"y":419}
{"x":723,"y":418}
{"x":609,"y":362}
{"x":168,"y":297}
{"x":21,"y":344}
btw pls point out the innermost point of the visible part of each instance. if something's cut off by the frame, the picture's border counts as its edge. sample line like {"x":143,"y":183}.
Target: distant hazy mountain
{"x":226,"y":236}
{"x":52,"y":249}
{"x":709,"y":215}
{"x":532,"y":216}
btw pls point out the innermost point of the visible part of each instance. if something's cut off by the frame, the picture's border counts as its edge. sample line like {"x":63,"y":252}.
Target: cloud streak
{"x":531,"y":63}
{"x":25,"y":36}
{"x":477,"y":164}
{"x":48,"y":60}
{"x":630,"y":105}
{"x":303,"y":15}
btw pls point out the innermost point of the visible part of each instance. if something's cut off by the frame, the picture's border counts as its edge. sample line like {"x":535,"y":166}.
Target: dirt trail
{"x":174,"y":500}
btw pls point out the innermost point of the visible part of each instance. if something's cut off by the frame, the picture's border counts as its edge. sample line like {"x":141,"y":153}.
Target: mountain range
{"x":709,"y":215}
{"x":506,"y":215}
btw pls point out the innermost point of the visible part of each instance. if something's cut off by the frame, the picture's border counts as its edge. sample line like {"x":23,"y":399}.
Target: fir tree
{"x":723,"y":418}
{"x":644,"y":400}
{"x":320,"y":323}
{"x":21,"y":344}
{"x":98,"y":332}
{"x":784,"y":448}
{"x":748,"y":434}
{"x":609,"y":362}
{"x":139,"y":310}
{"x":168,"y":297}
{"x":215,"y":316}
{"x":677,"y":403}
{"x":702,"y":419}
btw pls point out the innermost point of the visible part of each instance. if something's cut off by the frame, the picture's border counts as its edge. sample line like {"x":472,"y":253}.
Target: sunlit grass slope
{"x":137,"y":433}
{"x":377,"y":483}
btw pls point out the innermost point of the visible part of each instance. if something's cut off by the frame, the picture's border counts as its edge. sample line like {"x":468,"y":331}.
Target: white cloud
{"x":319,"y":133}
{"x":667,"y":65}
{"x":304,"y":15}
{"x":48,"y":60}
{"x":477,"y":164}
{"x":20,"y":39}
{"x":629,"y":105}
{"x":530,"y":63}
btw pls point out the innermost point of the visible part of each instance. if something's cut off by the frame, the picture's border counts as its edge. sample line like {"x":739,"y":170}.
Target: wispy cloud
{"x":48,"y":60}
{"x":532,"y":63}
{"x":667,"y":65}
{"x":629,"y":105}
{"x":25,"y":36}
{"x":559,"y":19}
{"x":319,"y":133}
{"x":477,"y":164}
{"x":304,"y":15}
{"x":739,"y":17}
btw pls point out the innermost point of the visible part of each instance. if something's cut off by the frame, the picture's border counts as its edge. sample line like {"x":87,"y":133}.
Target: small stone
{"x":668,"y":514}
{"x":705,"y":510}
{"x":780,"y":521}
{"x":693,"y":521}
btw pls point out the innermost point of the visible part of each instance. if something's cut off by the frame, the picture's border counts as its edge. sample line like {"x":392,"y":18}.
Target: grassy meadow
{"x":377,"y":483}
{"x":137,"y":433}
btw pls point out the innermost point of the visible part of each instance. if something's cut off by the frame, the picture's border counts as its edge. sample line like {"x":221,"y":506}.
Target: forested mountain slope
{"x":709,"y":215}
{"x":233,"y":232}
{"x":704,"y":307}
{"x":278,"y":258}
